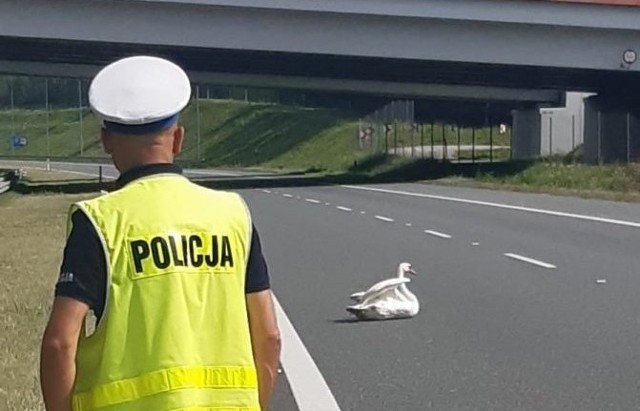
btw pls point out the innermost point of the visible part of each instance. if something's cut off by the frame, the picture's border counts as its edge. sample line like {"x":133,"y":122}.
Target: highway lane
{"x":495,"y":333}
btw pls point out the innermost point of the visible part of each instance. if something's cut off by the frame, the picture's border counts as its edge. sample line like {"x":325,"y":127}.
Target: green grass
{"x":6,"y":197}
{"x":278,"y":137}
{"x":34,"y":229}
{"x":64,"y":132}
{"x":232,"y":134}
{"x":573,"y":176}
{"x":614,"y":182}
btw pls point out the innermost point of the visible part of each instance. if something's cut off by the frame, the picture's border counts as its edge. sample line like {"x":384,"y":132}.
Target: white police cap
{"x":139,"y":94}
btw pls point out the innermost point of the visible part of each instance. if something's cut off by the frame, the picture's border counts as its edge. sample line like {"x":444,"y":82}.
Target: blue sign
{"x":18,"y":141}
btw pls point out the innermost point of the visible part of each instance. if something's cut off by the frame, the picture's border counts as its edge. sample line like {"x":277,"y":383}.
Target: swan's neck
{"x":404,"y":290}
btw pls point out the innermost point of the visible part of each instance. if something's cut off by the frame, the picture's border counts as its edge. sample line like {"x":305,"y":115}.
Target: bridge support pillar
{"x":525,"y":137}
{"x":612,"y":131}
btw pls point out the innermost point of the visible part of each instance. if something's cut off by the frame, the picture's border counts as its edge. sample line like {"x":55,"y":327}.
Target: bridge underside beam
{"x":427,"y":30}
{"x":387,"y":88}
{"x":24,"y":56}
{"x":382,"y":88}
{"x":468,"y":42}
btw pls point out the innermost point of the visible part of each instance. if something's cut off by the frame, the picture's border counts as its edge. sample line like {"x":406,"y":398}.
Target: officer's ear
{"x":107,"y":140}
{"x":178,"y":138}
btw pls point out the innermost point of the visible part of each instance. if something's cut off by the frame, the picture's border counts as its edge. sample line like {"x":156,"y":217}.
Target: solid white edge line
{"x":308,"y":386}
{"x":383,"y":218}
{"x":529,"y":260}
{"x":499,"y":205}
{"x":72,"y":172}
{"x":53,"y":164}
{"x":347,"y":209}
{"x":311,"y":200}
{"x":437,"y":234}
{"x":212,"y":173}
{"x":52,"y":167}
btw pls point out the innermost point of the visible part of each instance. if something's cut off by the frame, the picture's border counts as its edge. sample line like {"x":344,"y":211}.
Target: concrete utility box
{"x":547,"y":131}
{"x":561,"y":129}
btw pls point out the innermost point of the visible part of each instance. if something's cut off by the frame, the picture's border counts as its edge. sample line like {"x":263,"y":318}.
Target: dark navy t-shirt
{"x":83,"y":273}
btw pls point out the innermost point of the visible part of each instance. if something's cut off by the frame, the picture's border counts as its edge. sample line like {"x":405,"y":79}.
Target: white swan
{"x":387,"y":299}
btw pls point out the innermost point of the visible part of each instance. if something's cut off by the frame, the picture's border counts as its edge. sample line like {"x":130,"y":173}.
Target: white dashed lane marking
{"x":529,"y":260}
{"x":437,"y":234}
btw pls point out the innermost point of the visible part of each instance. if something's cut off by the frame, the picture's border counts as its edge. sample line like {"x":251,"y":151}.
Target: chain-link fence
{"x":50,"y":118}
{"x":394,"y":130}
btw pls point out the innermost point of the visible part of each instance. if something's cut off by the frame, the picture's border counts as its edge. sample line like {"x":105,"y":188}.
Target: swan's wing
{"x":381,"y":288}
{"x":357,"y":296}
{"x":395,"y":281}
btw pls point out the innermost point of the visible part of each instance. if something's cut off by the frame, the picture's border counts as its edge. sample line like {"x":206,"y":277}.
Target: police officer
{"x":173,"y":272}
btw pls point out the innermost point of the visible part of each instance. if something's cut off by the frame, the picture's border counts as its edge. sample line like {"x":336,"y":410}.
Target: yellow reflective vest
{"x":174,"y":334}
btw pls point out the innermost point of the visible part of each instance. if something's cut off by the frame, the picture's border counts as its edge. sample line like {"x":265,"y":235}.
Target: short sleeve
{"x":83,"y":269}
{"x":257,"y":270}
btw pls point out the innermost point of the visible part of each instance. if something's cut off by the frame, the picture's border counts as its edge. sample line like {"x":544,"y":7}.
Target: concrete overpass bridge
{"x":525,"y":52}
{"x":499,"y":48}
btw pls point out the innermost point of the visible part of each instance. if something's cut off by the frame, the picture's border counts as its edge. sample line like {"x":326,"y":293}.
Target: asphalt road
{"x":535,"y":330}
{"x":494,"y":333}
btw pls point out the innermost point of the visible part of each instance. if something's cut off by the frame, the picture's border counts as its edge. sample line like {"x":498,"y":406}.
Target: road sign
{"x":18,"y":141}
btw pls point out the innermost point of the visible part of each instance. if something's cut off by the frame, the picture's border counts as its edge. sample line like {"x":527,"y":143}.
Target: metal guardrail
{"x":8,"y":178}
{"x":4,"y":186}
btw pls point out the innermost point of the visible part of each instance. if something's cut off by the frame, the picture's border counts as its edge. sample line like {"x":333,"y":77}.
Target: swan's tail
{"x":357,"y":309}
{"x":361,"y":312}
{"x":357,"y":296}
{"x":353,"y":309}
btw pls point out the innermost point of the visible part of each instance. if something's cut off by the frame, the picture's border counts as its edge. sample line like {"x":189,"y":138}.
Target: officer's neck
{"x":130,"y":152}
{"x":140,"y":158}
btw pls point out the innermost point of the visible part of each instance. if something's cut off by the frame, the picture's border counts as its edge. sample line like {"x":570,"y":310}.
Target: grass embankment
{"x":238,"y":134}
{"x":33,"y":233}
{"x":553,"y":176}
